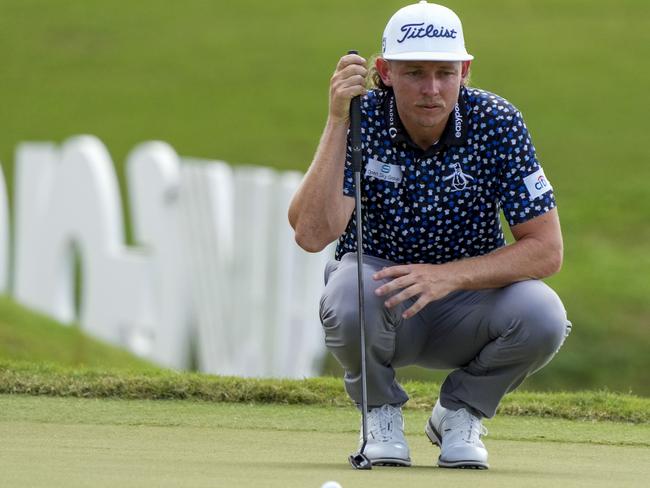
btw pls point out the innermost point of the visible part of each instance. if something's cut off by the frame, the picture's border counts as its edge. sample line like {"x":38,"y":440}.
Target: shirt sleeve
{"x":524,"y":191}
{"x":348,"y":174}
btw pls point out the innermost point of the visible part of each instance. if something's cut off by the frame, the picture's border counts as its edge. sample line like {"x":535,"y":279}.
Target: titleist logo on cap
{"x":417,"y":31}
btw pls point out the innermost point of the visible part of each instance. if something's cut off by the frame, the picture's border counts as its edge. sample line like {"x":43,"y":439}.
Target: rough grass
{"x":31,"y":379}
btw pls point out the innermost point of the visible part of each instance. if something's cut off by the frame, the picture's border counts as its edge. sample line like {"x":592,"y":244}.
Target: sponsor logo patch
{"x":537,"y":184}
{"x":383,"y":171}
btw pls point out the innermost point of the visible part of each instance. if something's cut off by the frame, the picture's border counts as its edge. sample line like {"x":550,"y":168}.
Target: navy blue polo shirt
{"x":443,"y":204}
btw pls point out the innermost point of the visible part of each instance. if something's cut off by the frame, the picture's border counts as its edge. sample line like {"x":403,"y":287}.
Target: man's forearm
{"x":528,"y":258}
{"x":318,"y":212}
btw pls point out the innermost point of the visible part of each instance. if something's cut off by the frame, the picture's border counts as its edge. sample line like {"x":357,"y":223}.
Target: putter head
{"x":360,"y":461}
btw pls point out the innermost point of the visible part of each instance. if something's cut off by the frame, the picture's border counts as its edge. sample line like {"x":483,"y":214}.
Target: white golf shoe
{"x":458,"y":433}
{"x":386,"y":442}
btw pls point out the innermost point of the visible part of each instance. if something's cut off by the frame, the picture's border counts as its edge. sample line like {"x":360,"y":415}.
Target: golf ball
{"x":331,"y":484}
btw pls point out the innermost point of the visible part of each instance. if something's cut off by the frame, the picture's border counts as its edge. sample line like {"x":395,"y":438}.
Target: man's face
{"x":425,"y":91}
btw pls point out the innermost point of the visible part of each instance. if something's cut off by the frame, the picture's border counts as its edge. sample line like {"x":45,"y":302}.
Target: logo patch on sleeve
{"x":384,"y":171}
{"x":537,"y":184}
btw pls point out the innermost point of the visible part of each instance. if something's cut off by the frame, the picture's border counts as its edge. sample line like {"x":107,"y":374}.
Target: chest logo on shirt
{"x":383,"y":171}
{"x":459,"y":180}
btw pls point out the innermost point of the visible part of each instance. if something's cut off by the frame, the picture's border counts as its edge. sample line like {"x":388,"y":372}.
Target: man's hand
{"x":429,"y":281}
{"x":347,"y":82}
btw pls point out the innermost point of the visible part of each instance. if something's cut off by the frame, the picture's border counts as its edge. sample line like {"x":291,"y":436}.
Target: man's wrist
{"x":459,"y":274}
{"x":337,"y":122}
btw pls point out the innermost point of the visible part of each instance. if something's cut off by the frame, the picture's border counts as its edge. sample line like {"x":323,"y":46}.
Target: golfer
{"x":444,"y":290}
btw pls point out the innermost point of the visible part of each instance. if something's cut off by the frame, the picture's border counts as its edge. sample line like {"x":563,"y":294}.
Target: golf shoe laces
{"x":470,"y":425}
{"x":382,"y":422}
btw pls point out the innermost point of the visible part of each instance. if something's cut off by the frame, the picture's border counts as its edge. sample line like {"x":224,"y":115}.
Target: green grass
{"x":247,"y":82}
{"x":29,"y":336}
{"x":73,"y":442}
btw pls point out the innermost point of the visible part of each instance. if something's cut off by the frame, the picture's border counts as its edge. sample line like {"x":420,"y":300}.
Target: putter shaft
{"x":359,"y":461}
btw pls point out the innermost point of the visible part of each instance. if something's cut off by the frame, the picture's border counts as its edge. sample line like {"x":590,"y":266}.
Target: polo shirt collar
{"x":454,"y":134}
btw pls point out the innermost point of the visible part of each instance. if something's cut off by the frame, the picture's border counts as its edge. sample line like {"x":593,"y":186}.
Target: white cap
{"x":424,"y":32}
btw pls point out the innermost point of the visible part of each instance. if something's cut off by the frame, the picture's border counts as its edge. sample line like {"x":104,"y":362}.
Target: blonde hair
{"x":374,"y":81}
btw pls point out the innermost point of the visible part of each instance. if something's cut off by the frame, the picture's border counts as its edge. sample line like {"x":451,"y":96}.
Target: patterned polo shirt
{"x":443,"y":204}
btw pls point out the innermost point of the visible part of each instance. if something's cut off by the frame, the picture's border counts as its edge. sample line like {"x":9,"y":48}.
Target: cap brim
{"x":428,"y":56}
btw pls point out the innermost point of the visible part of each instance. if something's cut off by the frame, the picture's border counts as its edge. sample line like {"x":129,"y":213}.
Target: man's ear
{"x":383,"y":68}
{"x":464,"y":70}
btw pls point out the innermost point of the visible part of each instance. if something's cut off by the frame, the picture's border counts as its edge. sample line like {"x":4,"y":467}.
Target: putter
{"x":359,"y":460}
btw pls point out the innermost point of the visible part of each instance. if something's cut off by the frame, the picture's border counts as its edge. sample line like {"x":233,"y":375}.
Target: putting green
{"x":79,"y":442}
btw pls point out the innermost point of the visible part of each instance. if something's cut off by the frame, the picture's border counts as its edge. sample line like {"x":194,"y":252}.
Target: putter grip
{"x":355,"y":129}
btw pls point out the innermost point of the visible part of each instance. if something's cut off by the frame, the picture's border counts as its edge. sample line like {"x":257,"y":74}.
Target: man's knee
{"x":340,"y":320}
{"x":547,"y":330}
{"x":539,"y":321}
{"x":339,"y":313}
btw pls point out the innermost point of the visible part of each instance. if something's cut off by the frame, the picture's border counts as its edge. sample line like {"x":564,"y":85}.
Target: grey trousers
{"x":492,"y":339}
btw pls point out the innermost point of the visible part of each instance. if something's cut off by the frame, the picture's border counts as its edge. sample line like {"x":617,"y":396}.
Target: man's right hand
{"x":348,"y":81}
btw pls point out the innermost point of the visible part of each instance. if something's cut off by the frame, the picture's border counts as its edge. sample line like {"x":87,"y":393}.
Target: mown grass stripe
{"x":44,"y":379}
